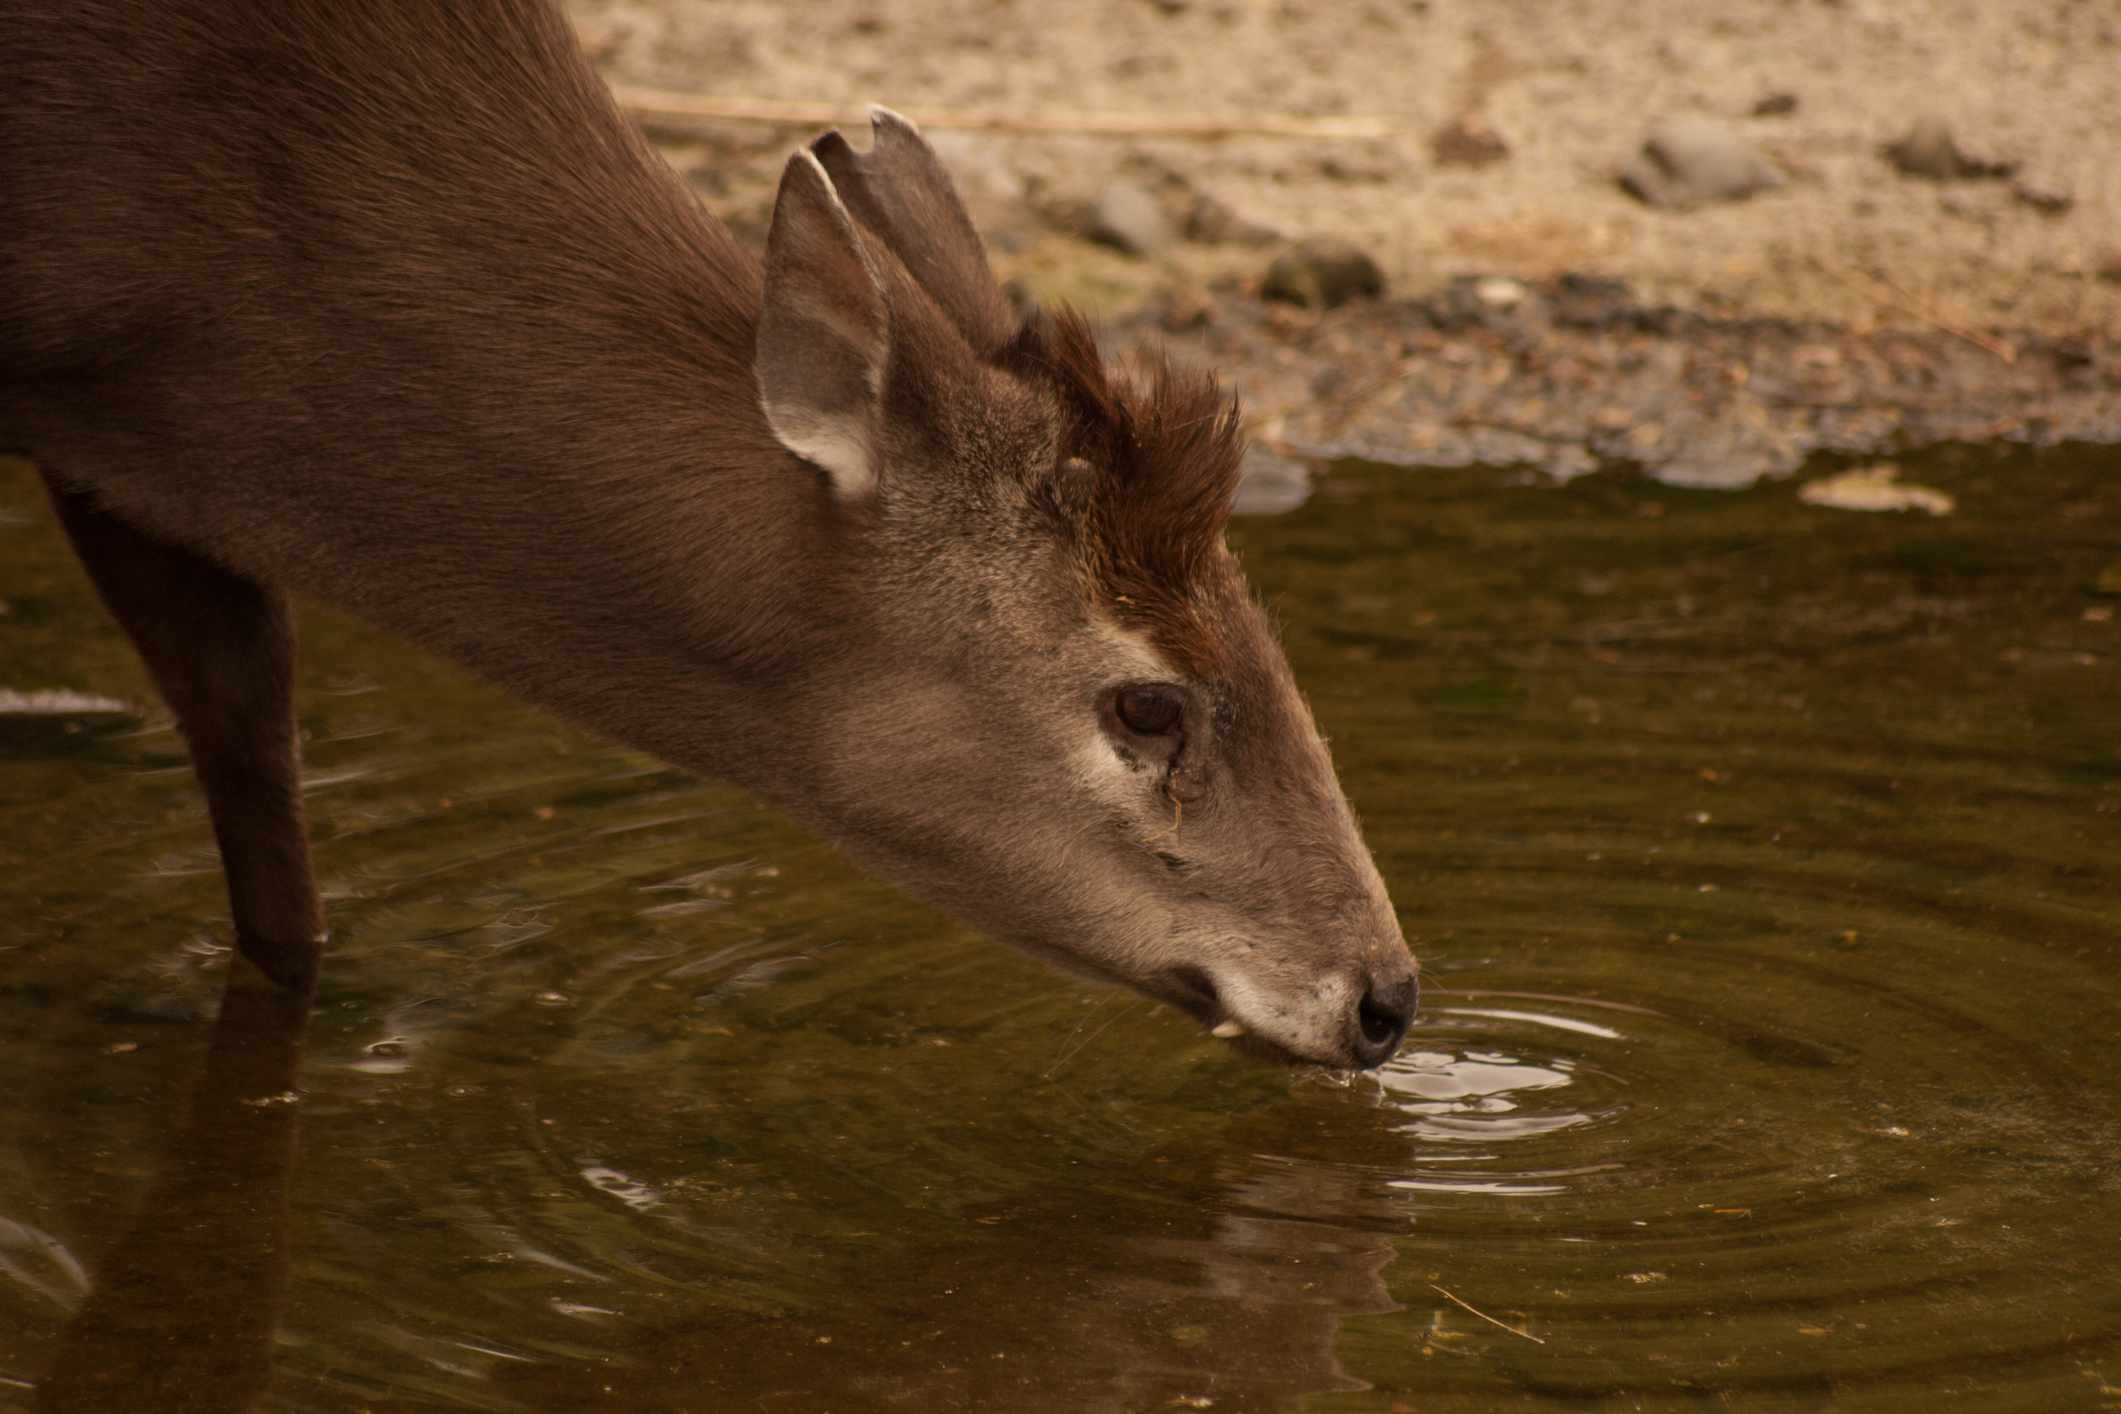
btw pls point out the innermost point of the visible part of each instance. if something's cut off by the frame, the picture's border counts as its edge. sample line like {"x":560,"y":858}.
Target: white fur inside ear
{"x":838,"y":444}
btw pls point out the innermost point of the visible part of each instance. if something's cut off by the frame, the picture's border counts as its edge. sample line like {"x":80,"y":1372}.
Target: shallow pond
{"x":1765,"y":863}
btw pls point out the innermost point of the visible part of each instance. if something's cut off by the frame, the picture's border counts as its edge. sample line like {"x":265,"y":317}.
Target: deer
{"x":391,"y":306}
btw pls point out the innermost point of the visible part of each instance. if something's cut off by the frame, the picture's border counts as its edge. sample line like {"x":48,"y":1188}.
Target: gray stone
{"x":978,"y":167}
{"x":1323,"y":273}
{"x":1271,"y":484}
{"x":1467,"y":141}
{"x":1498,"y":292}
{"x":1211,"y":221}
{"x":1695,"y":161}
{"x":1930,"y":151}
{"x":1129,"y":219}
{"x":2047,"y":198}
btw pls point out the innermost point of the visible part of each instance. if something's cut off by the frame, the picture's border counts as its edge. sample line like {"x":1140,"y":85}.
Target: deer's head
{"x":1056,"y":710}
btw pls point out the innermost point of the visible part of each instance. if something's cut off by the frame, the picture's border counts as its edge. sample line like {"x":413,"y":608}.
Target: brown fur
{"x":383,"y":302}
{"x":1163,"y":446}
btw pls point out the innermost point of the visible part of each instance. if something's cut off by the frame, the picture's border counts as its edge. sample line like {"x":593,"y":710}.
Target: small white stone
{"x":1499,"y":292}
{"x":1229,"y":1028}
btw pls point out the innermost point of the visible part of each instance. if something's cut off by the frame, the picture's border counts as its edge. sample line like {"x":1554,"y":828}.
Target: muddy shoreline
{"x":1542,"y":307}
{"x":1576,"y":374}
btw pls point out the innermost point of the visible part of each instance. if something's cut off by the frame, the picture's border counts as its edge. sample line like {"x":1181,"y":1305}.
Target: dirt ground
{"x":1570,"y":88}
{"x":1877,"y":307}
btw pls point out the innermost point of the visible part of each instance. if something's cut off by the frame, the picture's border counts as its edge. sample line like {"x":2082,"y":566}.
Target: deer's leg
{"x":221,"y":648}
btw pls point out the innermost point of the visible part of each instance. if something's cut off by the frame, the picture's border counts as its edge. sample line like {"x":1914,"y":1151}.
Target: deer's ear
{"x":899,"y":190}
{"x":824,"y":332}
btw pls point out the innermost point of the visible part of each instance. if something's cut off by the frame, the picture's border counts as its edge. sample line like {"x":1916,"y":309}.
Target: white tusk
{"x":1228,"y":1028}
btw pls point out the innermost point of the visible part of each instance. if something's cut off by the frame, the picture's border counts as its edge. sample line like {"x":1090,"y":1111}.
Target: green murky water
{"x":1765,"y":861}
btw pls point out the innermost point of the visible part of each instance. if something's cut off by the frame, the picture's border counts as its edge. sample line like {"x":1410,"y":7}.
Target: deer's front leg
{"x":221,"y":647}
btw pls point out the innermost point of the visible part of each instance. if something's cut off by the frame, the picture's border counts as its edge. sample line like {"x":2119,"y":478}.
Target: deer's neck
{"x":450,"y":347}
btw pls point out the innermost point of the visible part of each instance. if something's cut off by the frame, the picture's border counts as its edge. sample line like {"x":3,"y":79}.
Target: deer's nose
{"x":1383,"y":1016}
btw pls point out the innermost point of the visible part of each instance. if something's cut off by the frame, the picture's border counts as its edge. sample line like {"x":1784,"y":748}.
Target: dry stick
{"x":1907,"y":302}
{"x":1060,"y":1061}
{"x":1914,"y":306}
{"x":1460,"y":1301}
{"x":663,"y":106}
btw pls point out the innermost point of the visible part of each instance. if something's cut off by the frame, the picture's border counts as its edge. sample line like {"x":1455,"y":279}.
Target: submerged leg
{"x":221,"y":647}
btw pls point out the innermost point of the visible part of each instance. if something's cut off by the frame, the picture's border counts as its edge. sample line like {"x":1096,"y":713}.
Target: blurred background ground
{"x":1511,"y":122}
{"x":1710,"y":240}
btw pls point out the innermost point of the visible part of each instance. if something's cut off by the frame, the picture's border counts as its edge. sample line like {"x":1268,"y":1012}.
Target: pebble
{"x":2044,"y":197}
{"x":1211,"y":221}
{"x":1874,"y":488}
{"x":1498,"y":292}
{"x":1467,"y":142}
{"x":978,"y":167}
{"x":1271,"y":484}
{"x":1693,"y":161}
{"x":1128,"y":218}
{"x":1930,"y":151}
{"x":1323,"y":273}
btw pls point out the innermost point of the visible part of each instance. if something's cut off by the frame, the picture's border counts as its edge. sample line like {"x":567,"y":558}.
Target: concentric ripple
{"x":1762,"y":861}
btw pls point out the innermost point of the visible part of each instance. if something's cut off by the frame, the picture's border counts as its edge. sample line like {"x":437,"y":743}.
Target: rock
{"x":60,"y":702}
{"x":1322,"y":273}
{"x":1271,"y":484}
{"x":1928,"y":150}
{"x":1466,"y":141}
{"x":1493,"y":302}
{"x":978,"y":167}
{"x":1352,"y":167}
{"x":1694,"y":161}
{"x":1498,"y":292}
{"x":1874,"y":488}
{"x":1128,"y":218}
{"x":2044,"y":197}
{"x":1211,"y":221}
{"x":1184,"y":308}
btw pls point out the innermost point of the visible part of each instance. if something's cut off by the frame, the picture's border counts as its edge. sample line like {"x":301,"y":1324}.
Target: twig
{"x":1921,"y":311}
{"x":664,"y":106}
{"x":1907,"y":302}
{"x":1462,"y":1302}
{"x":1078,"y":1050}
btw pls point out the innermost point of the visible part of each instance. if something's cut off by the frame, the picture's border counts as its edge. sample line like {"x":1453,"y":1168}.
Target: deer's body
{"x":385,"y":303}
{"x":353,"y":309}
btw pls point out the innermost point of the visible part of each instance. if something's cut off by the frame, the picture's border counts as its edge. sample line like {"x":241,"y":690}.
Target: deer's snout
{"x":1383,"y":1014}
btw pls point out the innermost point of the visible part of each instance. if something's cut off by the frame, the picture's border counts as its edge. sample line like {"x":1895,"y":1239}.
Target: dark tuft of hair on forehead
{"x":1161,"y":448}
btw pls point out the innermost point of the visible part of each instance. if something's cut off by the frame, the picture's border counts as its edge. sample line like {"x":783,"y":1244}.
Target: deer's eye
{"x":1149,"y":711}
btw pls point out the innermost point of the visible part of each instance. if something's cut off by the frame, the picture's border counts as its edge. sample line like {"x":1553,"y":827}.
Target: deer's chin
{"x":1192,"y":991}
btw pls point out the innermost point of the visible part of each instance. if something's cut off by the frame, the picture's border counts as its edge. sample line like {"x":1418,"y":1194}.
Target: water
{"x":1762,"y":858}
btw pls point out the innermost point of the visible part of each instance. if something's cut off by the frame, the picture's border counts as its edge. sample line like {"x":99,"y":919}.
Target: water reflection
{"x":1762,"y":861}
{"x":182,"y":1307}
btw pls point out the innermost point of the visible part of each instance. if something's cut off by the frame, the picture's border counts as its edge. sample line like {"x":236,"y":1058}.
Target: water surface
{"x":1763,"y":862}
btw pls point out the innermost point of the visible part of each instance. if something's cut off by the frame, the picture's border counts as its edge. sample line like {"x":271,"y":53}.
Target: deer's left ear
{"x":824,"y":333}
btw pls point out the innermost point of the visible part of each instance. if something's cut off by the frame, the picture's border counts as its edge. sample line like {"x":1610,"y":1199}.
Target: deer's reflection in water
{"x":1134,"y":1290}
{"x":182,"y":1307}
{"x":1230,"y":1294}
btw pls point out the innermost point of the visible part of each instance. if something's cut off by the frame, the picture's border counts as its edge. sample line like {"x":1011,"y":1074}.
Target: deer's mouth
{"x":1193,"y":992}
